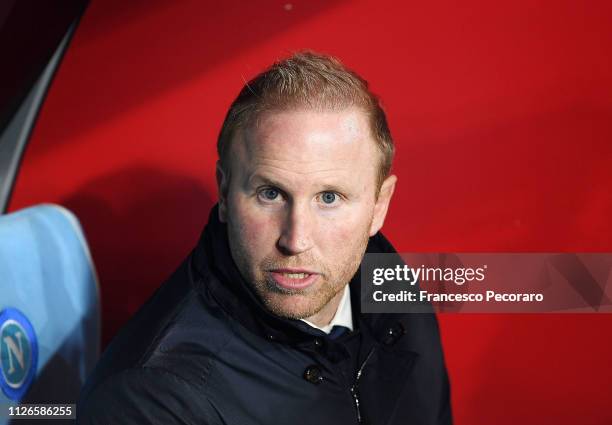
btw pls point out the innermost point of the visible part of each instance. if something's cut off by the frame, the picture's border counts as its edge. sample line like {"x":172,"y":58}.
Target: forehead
{"x":309,"y":142}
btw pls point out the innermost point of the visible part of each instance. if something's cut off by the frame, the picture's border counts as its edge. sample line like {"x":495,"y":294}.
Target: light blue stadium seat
{"x":49,"y":307}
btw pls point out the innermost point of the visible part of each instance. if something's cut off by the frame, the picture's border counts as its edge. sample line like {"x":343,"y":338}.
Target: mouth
{"x":292,"y":279}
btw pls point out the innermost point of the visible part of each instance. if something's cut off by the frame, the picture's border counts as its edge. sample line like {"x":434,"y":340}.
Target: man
{"x":261,"y":324}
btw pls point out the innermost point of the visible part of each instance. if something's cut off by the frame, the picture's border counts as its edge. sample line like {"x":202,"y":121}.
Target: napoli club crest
{"x":18,"y":353}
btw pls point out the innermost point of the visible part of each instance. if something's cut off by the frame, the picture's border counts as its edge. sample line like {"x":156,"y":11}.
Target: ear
{"x":382,"y":204}
{"x":222,"y":188}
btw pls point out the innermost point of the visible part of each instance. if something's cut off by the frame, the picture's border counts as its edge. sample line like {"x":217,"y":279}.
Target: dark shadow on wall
{"x":140,"y":224}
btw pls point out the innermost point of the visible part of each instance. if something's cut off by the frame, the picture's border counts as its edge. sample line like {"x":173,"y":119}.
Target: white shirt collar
{"x":343,"y":316}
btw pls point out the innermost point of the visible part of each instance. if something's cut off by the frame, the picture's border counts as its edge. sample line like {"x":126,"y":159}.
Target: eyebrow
{"x":256,"y":179}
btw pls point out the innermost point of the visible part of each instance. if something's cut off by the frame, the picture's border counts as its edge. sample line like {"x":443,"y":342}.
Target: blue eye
{"x":328,"y":197}
{"x":269,"y":194}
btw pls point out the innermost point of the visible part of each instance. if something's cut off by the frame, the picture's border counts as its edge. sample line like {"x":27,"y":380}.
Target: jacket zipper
{"x":354,"y":388}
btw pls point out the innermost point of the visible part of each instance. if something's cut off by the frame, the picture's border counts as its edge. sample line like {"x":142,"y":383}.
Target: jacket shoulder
{"x":146,"y":395}
{"x":176,"y":332}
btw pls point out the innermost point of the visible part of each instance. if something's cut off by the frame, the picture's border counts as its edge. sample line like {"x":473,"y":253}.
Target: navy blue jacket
{"x":204,"y":350}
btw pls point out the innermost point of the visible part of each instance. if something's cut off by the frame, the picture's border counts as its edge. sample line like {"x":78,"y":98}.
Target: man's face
{"x":300,"y":203}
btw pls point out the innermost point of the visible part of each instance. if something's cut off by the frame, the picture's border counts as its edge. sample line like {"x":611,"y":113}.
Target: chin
{"x":292,"y":306}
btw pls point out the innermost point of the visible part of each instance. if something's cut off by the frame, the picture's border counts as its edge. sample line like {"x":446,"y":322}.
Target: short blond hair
{"x":307,"y":80}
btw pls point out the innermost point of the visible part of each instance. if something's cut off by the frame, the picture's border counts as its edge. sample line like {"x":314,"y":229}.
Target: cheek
{"x":254,"y":230}
{"x":344,"y":232}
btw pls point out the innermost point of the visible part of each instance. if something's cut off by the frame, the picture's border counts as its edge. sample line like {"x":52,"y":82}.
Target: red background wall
{"x":502,"y":114}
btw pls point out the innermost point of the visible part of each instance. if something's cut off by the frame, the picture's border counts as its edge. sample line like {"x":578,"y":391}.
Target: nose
{"x":296,"y":235}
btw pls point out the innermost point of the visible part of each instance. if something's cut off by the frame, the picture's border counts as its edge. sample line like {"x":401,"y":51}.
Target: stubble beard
{"x":278,"y":300}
